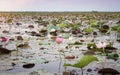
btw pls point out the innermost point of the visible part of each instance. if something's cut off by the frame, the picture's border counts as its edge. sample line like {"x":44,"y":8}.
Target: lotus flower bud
{"x":3,"y":39}
{"x":59,"y":40}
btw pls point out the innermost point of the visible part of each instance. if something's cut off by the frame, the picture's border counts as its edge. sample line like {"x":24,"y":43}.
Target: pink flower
{"x":104,"y":44}
{"x":59,"y":40}
{"x":98,"y":45}
{"x":3,"y":39}
{"x":101,"y":45}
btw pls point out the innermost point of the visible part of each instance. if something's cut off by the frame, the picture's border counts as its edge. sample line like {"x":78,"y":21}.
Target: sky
{"x":59,"y":5}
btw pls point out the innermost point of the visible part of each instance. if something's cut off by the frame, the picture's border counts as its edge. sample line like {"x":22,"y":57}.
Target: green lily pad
{"x":88,"y":30}
{"x":84,"y":61}
{"x":112,"y":56}
{"x":66,"y":36}
{"x":53,"y":27}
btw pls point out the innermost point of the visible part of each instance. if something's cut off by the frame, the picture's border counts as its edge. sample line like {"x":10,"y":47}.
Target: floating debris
{"x":89,"y":70}
{"x":70,"y":57}
{"x":4,"y":51}
{"x":29,"y":65}
{"x":23,"y":46}
{"x":109,"y":71}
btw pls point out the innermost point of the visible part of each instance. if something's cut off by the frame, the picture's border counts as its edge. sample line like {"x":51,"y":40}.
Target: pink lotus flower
{"x":3,"y":39}
{"x":59,"y":40}
{"x":101,"y":45}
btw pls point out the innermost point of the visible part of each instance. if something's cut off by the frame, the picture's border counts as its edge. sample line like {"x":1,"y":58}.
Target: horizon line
{"x":58,"y":11}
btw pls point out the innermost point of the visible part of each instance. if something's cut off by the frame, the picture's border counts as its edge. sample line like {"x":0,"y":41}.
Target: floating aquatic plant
{"x":99,"y":47}
{"x":84,"y":61}
{"x":113,"y":56}
{"x":89,"y":30}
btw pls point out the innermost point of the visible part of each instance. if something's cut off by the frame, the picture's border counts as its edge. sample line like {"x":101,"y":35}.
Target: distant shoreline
{"x":59,"y":11}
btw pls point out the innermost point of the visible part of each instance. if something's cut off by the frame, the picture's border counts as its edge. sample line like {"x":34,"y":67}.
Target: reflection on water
{"x":51,"y":68}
